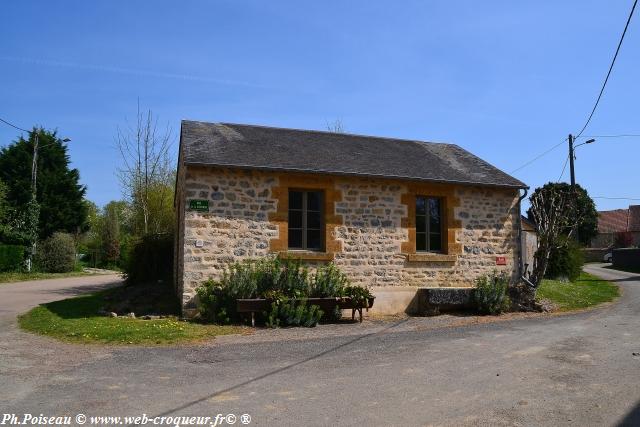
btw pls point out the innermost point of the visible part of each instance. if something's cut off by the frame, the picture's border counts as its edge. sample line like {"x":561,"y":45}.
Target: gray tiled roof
{"x":261,"y":147}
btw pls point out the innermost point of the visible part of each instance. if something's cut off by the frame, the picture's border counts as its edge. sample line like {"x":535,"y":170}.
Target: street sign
{"x":199,"y":205}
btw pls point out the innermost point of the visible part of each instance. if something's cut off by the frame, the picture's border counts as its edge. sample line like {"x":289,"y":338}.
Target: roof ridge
{"x":327,"y":132}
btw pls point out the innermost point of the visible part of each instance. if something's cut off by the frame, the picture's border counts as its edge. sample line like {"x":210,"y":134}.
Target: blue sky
{"x":505,"y":80}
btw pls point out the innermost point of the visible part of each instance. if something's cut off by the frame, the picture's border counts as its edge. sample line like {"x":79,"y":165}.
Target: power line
{"x":624,"y":135}
{"x":538,"y":156}
{"x":563,"y":168}
{"x":610,"y":69}
{"x":12,"y":125}
{"x":615,"y":198}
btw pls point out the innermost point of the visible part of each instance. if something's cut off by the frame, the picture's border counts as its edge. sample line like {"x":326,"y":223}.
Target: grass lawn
{"x":585,"y":292}
{"x":11,"y":277}
{"x":77,"y":320}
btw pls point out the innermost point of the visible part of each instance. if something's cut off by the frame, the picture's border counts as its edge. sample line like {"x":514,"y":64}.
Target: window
{"x":428,"y":224}
{"x":305,"y":220}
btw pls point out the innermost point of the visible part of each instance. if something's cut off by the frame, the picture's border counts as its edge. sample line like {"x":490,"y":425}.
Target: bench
{"x":254,"y":305}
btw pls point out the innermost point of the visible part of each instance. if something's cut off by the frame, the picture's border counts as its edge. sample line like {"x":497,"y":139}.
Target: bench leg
{"x":353,"y":314}
{"x":432,"y":310}
{"x":360,"y":312}
{"x":253,"y":319}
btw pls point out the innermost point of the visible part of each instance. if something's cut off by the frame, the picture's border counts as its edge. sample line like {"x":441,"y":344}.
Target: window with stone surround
{"x":429,"y":223}
{"x":306,"y":225}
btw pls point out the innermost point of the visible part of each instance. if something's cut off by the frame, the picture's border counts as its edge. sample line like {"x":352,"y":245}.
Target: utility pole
{"x":34,"y":165}
{"x":574,"y":194}
{"x":571,"y":158}
{"x":34,"y":196}
{"x":34,"y":176}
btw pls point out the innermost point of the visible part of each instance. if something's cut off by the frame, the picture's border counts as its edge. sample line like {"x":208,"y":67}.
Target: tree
{"x":20,"y":226}
{"x":336,"y":126}
{"x":106,"y":242}
{"x":111,"y":234}
{"x":550,"y":211}
{"x":580,"y":211}
{"x":59,"y":194}
{"x":3,"y":203}
{"x":553,"y":210}
{"x":4,"y":212}
{"x":146,"y":174}
{"x":560,"y":214}
{"x":90,"y":242}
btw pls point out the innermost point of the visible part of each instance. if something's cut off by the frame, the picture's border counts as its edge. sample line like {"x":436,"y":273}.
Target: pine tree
{"x":59,"y":192}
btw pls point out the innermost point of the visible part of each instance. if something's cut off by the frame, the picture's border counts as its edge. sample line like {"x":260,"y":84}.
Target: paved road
{"x":18,"y":297}
{"x":552,"y":370}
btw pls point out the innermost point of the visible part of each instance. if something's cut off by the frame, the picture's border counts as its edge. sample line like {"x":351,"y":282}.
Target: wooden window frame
{"x":427,"y":228}
{"x":304,"y":226}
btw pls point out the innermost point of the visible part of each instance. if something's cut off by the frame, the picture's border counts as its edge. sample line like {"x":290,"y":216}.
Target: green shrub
{"x":490,"y":294}
{"x":150,"y":260}
{"x":215,"y":305}
{"x":329,"y":281}
{"x":291,"y":278}
{"x":11,"y":257}
{"x":358,"y":294}
{"x":293,"y":312}
{"x":56,"y":254}
{"x":565,"y":262}
{"x":277,"y":280}
{"x":263,"y":278}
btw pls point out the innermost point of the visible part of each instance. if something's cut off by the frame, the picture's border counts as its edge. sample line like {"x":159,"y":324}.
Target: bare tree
{"x":146,"y":169}
{"x":552,"y":209}
{"x":336,"y":126}
{"x":549,"y":210}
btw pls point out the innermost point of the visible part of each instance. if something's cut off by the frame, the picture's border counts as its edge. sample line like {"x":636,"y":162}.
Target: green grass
{"x":585,"y":292}
{"x":11,"y":277}
{"x":77,"y":320}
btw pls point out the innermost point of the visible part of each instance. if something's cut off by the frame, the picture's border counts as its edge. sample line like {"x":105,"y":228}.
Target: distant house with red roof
{"x":617,"y":221}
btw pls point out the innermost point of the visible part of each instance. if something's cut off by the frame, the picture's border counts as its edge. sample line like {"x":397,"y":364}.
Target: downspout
{"x":520,"y":260}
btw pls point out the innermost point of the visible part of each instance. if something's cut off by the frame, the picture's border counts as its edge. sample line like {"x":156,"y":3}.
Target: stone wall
{"x":372,"y":236}
{"x":529,"y":247}
{"x":235,"y":228}
{"x":370,"y":230}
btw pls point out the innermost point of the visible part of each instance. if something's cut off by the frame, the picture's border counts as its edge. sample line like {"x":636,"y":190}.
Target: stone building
{"x":393,"y":214}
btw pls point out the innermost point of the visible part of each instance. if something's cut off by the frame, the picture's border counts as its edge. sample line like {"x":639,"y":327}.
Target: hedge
{"x":11,"y":257}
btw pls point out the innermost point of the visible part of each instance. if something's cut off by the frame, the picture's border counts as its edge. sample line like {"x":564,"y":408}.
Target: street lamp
{"x":571,"y":168}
